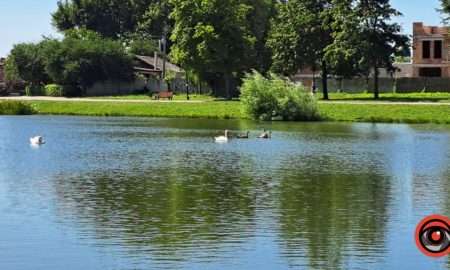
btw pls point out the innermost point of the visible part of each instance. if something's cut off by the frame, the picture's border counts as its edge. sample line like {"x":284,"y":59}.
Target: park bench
{"x":158,"y":95}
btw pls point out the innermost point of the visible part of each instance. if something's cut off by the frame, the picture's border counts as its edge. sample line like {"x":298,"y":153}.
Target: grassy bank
{"x":384,"y":113}
{"x":218,"y":110}
{"x":409,"y":97}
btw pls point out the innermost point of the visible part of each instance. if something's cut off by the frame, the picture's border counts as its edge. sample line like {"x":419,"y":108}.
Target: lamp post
{"x":187,"y":85}
{"x":164,"y":47}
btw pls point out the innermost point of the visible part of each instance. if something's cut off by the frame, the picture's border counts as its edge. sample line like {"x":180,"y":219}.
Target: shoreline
{"x":332,"y":111}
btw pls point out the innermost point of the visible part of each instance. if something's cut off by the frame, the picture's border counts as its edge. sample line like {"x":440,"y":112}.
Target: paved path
{"x":27,"y":98}
{"x":369,"y":102}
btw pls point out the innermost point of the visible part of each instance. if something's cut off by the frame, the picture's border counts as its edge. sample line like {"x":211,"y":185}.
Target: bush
{"x":34,"y":90}
{"x":54,"y":90}
{"x":276,"y":99}
{"x":13,"y":107}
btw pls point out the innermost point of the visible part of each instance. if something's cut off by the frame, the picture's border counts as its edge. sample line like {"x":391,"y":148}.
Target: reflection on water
{"x":132,"y":193}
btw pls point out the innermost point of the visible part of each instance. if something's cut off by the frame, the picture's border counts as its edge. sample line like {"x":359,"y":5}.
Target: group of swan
{"x":222,"y":139}
{"x":36,"y":140}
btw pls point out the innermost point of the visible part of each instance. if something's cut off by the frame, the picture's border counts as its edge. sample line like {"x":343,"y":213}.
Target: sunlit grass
{"x":385,"y":113}
{"x":409,"y":97}
{"x":13,"y":107}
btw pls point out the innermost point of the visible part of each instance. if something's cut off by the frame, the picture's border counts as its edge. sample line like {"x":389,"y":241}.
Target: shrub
{"x":14,"y":107}
{"x":54,"y":90}
{"x":274,"y":98}
{"x":34,"y":90}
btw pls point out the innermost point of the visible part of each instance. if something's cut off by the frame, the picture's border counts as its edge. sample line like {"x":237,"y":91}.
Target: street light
{"x":164,"y":45}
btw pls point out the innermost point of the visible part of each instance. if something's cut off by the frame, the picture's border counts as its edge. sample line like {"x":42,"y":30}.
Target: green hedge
{"x":34,"y":90}
{"x":54,"y":90}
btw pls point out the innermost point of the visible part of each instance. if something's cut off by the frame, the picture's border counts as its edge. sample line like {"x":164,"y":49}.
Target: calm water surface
{"x":133,"y":193}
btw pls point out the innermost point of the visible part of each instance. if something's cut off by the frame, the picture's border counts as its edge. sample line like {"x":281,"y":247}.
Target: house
{"x":430,"y":51}
{"x":152,"y":67}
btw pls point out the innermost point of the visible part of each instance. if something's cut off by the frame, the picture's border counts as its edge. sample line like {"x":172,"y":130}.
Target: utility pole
{"x":164,"y":49}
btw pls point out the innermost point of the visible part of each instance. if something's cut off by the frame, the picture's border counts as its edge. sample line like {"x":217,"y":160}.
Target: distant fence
{"x":386,"y":85}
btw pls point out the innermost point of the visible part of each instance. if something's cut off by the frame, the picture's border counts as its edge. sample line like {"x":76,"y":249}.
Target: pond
{"x":143,"y":193}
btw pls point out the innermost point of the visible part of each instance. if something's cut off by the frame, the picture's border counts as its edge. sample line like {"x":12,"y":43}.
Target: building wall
{"x":386,"y":85}
{"x":432,"y":34}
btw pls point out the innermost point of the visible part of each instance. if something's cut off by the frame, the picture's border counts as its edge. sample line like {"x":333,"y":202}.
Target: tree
{"x":445,"y":9}
{"x":26,"y":62}
{"x":84,"y":57}
{"x":299,"y":35}
{"x":211,"y":38}
{"x":379,"y":39}
{"x":114,"y":19}
{"x":258,"y":21}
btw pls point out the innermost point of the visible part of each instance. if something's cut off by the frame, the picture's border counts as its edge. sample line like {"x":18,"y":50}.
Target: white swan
{"x":37,"y":140}
{"x":222,"y":139}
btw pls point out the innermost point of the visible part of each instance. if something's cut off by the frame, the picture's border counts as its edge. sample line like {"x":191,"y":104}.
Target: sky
{"x":29,"y":20}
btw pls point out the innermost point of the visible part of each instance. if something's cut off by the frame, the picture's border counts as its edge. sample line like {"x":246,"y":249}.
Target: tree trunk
{"x":375,"y":89}
{"x":227,"y":85}
{"x":325,"y":80}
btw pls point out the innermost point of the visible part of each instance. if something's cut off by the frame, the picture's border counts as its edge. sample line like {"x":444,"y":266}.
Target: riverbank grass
{"x":383,"y":113}
{"x":14,"y":107}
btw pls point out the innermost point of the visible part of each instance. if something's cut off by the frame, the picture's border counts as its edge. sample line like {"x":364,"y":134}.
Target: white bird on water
{"x":222,"y":139}
{"x":36,"y":140}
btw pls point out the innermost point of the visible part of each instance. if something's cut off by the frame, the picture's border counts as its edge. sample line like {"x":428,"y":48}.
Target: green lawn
{"x":385,"y":113}
{"x":146,"y":97}
{"x":222,"y":110}
{"x":410,"y":97}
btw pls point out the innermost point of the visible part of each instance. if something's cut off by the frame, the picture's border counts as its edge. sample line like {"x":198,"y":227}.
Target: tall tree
{"x":211,"y":38}
{"x":26,"y":63}
{"x":84,"y":57}
{"x":299,"y":35}
{"x":258,"y":21}
{"x":115,"y":19}
{"x":379,"y":39}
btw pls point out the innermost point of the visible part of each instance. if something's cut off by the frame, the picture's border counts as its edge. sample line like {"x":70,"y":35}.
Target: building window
{"x":426,"y":49}
{"x":430,"y":72}
{"x":438,"y":49}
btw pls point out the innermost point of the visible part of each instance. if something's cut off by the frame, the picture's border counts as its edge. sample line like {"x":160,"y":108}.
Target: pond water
{"x":135,"y":193}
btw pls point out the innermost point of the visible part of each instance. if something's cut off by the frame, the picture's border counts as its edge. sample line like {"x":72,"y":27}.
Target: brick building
{"x":430,"y":51}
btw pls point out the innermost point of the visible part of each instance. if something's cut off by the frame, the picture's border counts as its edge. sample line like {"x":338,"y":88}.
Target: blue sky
{"x":28,"y":20}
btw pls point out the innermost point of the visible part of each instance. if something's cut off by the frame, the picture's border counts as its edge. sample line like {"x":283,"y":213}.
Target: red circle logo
{"x":433,"y":236}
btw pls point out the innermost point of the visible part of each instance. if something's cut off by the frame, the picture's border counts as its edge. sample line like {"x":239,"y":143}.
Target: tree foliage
{"x":26,"y":63}
{"x":211,"y":37}
{"x":117,"y":19}
{"x":370,"y":40}
{"x":299,"y":36}
{"x":84,"y":57}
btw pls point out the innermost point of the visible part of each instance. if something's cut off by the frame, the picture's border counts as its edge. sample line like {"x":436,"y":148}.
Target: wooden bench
{"x":158,"y":95}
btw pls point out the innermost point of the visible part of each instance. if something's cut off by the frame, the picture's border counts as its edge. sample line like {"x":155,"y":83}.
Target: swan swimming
{"x":37,"y":140}
{"x":222,"y":139}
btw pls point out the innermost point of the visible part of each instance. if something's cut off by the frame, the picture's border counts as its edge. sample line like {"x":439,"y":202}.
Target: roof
{"x":150,"y":60}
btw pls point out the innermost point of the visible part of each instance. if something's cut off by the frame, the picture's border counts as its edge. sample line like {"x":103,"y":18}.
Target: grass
{"x":146,"y":97}
{"x":385,"y":113}
{"x":218,"y":110}
{"x":13,"y":107}
{"x":409,"y":97}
